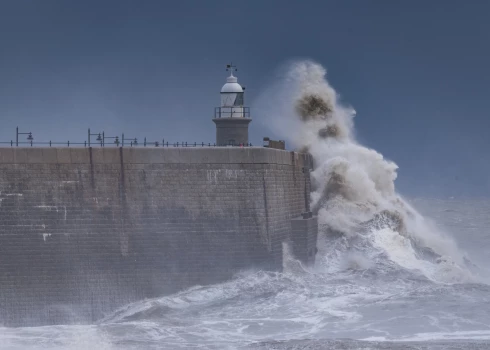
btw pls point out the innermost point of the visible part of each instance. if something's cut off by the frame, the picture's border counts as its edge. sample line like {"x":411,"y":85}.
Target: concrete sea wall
{"x":83,"y":231}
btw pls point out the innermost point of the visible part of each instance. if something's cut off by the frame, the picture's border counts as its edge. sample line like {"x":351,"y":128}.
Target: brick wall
{"x":83,"y":231}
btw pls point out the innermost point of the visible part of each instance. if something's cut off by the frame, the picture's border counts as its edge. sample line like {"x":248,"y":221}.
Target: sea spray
{"x":353,"y":186}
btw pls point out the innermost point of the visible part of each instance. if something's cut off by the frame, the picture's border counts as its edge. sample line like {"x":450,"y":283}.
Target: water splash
{"x":353,"y":186}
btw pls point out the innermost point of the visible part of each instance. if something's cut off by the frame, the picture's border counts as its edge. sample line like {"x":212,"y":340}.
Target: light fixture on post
{"x":115,"y":138}
{"x":17,"y":133}
{"x":99,"y":137}
{"x":134,"y":141}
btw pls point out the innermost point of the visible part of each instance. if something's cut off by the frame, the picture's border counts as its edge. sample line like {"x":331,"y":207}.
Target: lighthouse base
{"x":231,"y":131}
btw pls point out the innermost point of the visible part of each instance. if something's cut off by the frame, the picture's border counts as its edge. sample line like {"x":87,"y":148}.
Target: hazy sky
{"x":417,"y":72}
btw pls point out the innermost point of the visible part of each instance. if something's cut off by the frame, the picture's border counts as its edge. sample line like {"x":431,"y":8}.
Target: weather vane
{"x":232,"y":68}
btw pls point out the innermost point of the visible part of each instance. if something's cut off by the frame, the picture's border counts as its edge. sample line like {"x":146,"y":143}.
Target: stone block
{"x":20,"y":155}
{"x":50,"y":155}
{"x":134,"y":155}
{"x":111,"y":155}
{"x":172,"y":156}
{"x":259,"y":155}
{"x":80,"y":155}
{"x":98,"y":155}
{"x":215,"y":155}
{"x":6,"y":155}
{"x":33,"y":156}
{"x":243,"y":155}
{"x":266,"y":155}
{"x":63,"y":155}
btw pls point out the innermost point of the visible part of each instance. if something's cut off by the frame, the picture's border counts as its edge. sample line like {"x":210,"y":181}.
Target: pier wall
{"x":86,"y":230}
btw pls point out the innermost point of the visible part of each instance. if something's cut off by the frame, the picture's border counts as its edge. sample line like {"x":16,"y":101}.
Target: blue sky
{"x":417,"y":73}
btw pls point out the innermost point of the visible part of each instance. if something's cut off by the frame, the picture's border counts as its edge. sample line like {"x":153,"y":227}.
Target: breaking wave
{"x":365,"y":222}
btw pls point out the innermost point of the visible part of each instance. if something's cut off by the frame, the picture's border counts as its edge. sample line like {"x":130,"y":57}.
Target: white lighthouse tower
{"x":232,"y":117}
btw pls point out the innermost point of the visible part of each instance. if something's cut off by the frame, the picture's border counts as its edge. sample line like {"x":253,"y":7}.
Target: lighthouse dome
{"x":231,"y":85}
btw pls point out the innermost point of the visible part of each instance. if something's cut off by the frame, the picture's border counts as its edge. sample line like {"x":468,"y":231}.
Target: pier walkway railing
{"x":145,"y":143}
{"x":101,"y":139}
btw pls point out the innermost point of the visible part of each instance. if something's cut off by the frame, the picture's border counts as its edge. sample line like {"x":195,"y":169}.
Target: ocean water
{"x":390,"y":273}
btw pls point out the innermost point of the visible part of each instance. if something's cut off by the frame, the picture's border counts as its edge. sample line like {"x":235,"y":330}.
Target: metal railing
{"x":130,"y":144}
{"x":146,"y":143}
{"x":232,"y":112}
{"x":100,"y":140}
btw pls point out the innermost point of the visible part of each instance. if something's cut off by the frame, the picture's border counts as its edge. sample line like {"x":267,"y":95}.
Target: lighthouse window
{"x":239,"y":99}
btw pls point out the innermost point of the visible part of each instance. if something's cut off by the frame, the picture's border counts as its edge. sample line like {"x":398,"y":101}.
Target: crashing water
{"x":385,"y":276}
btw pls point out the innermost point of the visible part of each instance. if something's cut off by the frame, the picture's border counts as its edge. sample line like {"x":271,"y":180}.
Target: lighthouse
{"x":232,"y":117}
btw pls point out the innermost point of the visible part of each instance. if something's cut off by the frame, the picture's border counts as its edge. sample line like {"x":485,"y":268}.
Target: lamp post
{"x":99,"y":137}
{"x":116,"y":139}
{"x":134,"y":141}
{"x":17,"y":133}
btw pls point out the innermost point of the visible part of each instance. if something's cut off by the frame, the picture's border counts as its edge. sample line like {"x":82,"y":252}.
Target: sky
{"x":417,"y":73}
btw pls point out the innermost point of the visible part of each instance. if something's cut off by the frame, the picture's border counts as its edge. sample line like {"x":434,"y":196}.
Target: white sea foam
{"x":461,"y":335}
{"x":434,"y":336}
{"x":55,"y":338}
